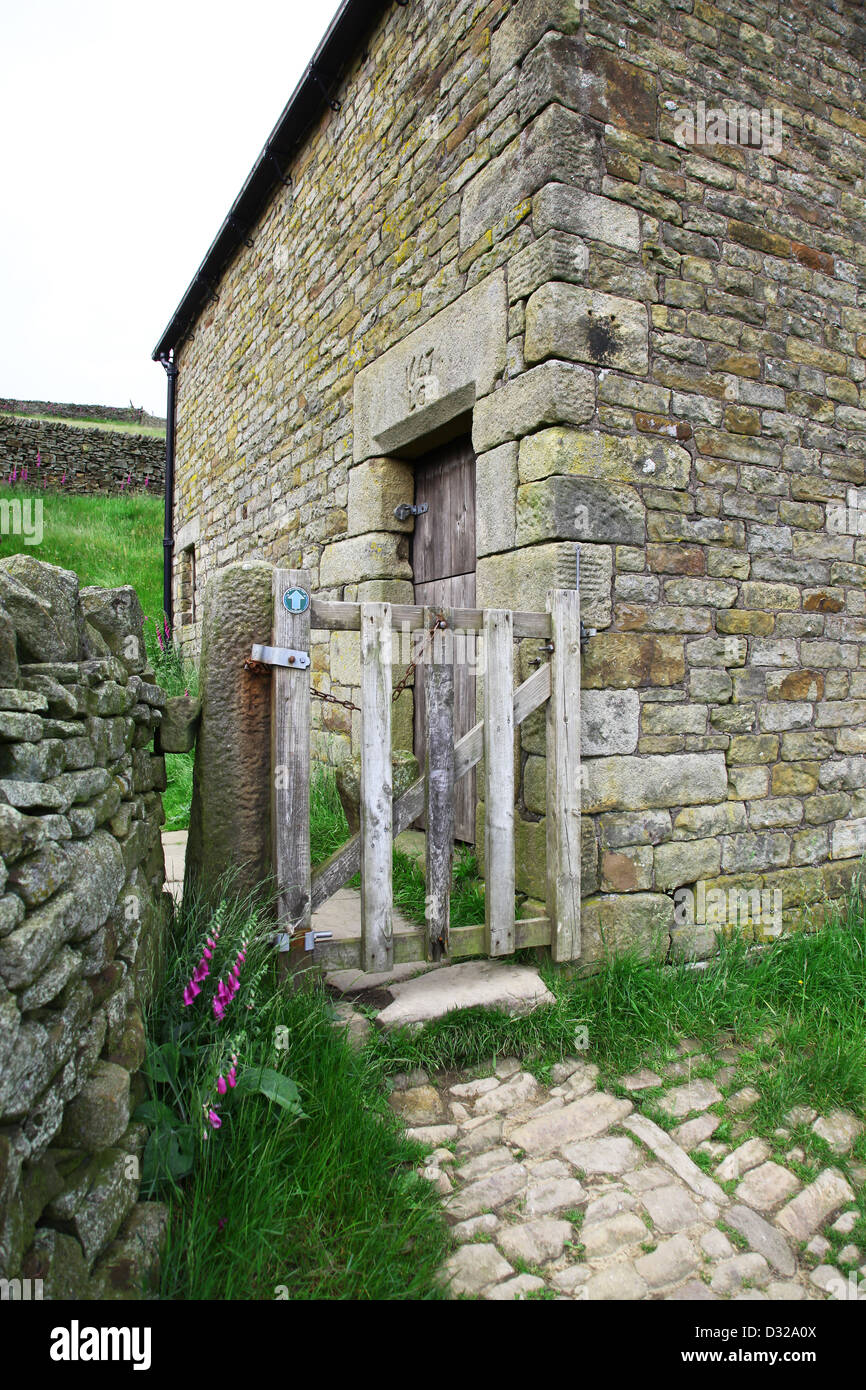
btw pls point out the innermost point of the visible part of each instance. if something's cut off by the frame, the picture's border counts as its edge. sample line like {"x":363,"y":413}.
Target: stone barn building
{"x":584,"y":277}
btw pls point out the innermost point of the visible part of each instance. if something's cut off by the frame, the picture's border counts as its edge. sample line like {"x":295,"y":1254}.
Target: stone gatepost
{"x":230,"y":820}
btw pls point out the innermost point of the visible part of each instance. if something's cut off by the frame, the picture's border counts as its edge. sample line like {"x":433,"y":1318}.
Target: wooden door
{"x":443,"y":564}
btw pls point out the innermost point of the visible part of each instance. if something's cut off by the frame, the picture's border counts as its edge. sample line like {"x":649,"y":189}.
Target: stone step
{"x":487,"y":984}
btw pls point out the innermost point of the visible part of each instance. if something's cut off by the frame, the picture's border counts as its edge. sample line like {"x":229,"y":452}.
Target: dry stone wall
{"x":45,"y":454}
{"x":81,"y":916}
{"x":125,"y":414}
{"x":531,"y":215}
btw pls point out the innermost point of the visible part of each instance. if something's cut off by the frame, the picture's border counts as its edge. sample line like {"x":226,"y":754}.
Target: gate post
{"x":377,"y":930}
{"x":563,"y":775}
{"x":439,"y":714}
{"x":290,"y":768}
{"x":499,"y":781}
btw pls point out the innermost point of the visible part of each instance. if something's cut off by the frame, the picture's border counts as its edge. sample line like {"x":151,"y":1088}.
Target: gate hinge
{"x":406,"y":509}
{"x":280,"y":656}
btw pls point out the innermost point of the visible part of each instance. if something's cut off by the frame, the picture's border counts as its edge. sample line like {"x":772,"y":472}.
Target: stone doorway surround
{"x":467,"y":369}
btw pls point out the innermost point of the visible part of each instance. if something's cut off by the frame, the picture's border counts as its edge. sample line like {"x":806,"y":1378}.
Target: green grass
{"x":111,"y":541}
{"x":329,"y":829}
{"x":85,"y":422}
{"x":107,"y":541}
{"x":325,"y":1207}
{"x":809,"y":989}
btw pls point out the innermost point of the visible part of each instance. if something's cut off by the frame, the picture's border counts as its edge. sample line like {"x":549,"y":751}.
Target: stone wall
{"x":125,"y":414}
{"x":81,"y":914}
{"x":79,"y":460}
{"x":661,"y":346}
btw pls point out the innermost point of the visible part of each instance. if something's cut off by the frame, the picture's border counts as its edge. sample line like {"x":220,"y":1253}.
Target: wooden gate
{"x":557,"y":683}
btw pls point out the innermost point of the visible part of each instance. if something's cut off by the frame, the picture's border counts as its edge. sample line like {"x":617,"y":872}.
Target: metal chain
{"x":410,"y":669}
{"x":331,"y":699}
{"x":402,"y":683}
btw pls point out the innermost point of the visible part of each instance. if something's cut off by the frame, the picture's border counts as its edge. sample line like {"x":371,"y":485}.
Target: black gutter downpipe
{"x":168,"y":537}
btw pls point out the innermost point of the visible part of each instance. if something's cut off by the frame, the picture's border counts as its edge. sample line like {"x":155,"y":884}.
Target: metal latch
{"x":406,"y":509}
{"x":311,"y":937}
{"x":281,"y":656}
{"x":283,"y":939}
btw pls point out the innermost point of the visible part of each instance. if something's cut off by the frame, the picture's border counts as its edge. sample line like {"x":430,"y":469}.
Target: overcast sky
{"x":128,"y":129}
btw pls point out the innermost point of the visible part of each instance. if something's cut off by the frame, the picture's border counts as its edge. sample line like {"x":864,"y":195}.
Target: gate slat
{"x":291,"y":766}
{"x":439,"y":707}
{"x":563,"y":775}
{"x":377,"y":941}
{"x":499,"y":781}
{"x":345,"y":862}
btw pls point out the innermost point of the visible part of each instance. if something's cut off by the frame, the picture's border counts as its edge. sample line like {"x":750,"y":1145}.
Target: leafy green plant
{"x":192,"y":1066}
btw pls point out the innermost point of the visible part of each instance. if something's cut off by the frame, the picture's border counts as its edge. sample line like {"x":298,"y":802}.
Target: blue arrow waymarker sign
{"x":296,"y":600}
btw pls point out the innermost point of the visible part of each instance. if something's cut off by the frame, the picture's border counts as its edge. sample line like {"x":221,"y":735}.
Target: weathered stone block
{"x":550,"y":394}
{"x":495,"y":498}
{"x":585,"y":326}
{"x":96,"y":878}
{"x":635,"y":828}
{"x":624,"y":660}
{"x":8,"y":652}
{"x":25,"y":951}
{"x":404,"y":771}
{"x":522,"y":28}
{"x":530,"y":849}
{"x":848,"y":839}
{"x":36,"y":878}
{"x":632,"y":783}
{"x":99,"y":1114}
{"x":432,"y":375}
{"x":556,"y":144}
{"x":580,"y":509}
{"x":555,"y":256}
{"x":379,"y":555}
{"x":563,"y":208}
{"x":57,"y":1260}
{"x":592,"y":80}
{"x":686,"y":861}
{"x":100,"y":1195}
{"x":628,"y":870}
{"x":118,"y":616}
{"x":179,"y":725}
{"x":521,"y":579}
{"x":19,"y":834}
{"x":607,"y":457}
{"x":231,"y":815}
{"x":42,"y":603}
{"x":32,"y":762}
{"x":640,"y":922}
{"x":129,"y":1269}
{"x":376,"y":487}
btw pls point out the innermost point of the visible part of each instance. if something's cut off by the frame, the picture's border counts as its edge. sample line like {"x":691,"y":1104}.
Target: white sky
{"x":126,"y":131}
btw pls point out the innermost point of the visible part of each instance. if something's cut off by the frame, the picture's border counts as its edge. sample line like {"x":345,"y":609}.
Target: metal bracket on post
{"x":312,"y":937}
{"x":280,"y":656}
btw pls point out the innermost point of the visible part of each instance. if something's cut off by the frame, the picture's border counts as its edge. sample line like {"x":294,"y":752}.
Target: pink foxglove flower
{"x":214,"y":1119}
{"x":221,"y":1085}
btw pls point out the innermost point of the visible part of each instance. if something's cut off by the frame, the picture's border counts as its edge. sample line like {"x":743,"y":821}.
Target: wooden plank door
{"x":443,"y":564}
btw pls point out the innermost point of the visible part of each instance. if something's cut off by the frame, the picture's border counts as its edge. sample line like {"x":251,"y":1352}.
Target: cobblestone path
{"x":571,"y":1191}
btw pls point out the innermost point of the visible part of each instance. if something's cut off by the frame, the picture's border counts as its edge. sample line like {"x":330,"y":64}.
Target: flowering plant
{"x":198,"y":1073}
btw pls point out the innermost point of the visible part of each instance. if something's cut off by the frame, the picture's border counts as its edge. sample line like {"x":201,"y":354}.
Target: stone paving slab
{"x":486,"y":984}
